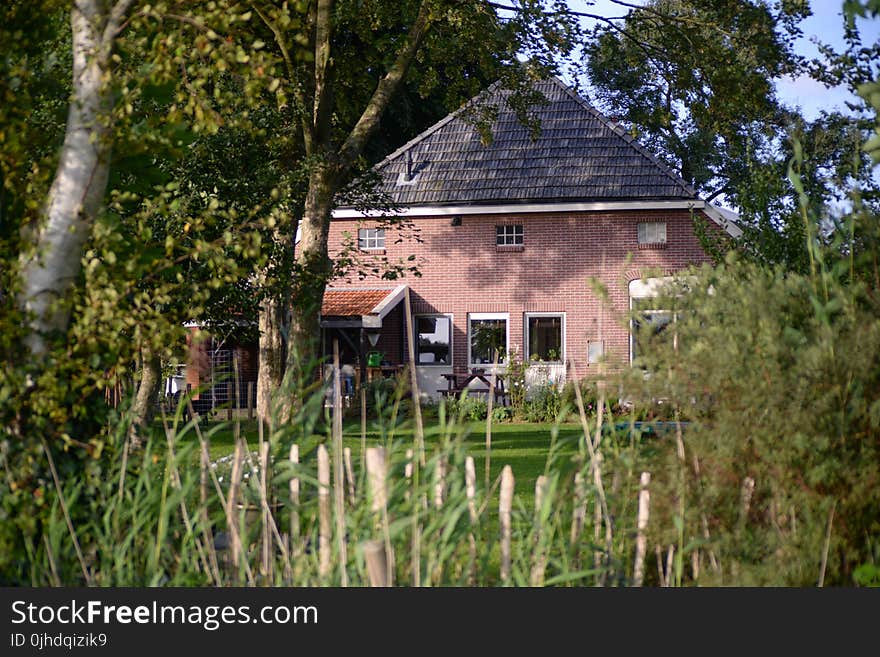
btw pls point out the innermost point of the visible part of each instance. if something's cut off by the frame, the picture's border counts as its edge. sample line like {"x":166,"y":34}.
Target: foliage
{"x":543,"y":403}
{"x":781,"y":374}
{"x":694,"y":80}
{"x":515,"y":380}
{"x":502,"y":414}
{"x":467,"y":408}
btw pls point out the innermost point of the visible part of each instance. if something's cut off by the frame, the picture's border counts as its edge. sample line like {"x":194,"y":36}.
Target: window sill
{"x":373,"y":251}
{"x":653,"y":246}
{"x":510,"y":248}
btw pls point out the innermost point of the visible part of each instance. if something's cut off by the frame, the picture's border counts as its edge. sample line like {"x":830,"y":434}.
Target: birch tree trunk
{"x":50,"y":269}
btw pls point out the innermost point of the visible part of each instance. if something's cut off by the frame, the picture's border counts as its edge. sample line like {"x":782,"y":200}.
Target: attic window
{"x":508,"y":235}
{"x":410,"y":175}
{"x":371,"y":239}
{"x":652,"y":235}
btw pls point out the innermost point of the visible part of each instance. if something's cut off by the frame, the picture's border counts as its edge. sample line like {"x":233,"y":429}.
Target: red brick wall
{"x":463,"y":271}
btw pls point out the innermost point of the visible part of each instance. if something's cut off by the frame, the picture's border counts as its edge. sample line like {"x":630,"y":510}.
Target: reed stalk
{"x":324,"y":512}
{"x":338,"y":473}
{"x":641,"y":528}
{"x":505,"y":505}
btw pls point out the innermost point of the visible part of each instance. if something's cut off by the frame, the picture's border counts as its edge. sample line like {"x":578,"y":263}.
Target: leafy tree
{"x":694,"y":80}
{"x":343,"y":68}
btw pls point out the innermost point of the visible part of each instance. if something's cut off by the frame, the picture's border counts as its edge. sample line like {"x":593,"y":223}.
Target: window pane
{"x":653,"y":232}
{"x":371,"y":238}
{"x":488,"y":336}
{"x":434,"y":340}
{"x":508,"y":235}
{"x":595,"y":351}
{"x":651,"y":334}
{"x":545,"y":338}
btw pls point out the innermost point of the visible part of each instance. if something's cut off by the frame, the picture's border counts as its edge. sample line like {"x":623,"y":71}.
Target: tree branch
{"x":114,"y":22}
{"x":323,"y":35}
{"x":292,"y":76}
{"x":388,"y":85}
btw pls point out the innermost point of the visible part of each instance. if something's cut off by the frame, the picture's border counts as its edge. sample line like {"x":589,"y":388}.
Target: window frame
{"x":516,"y":231}
{"x":641,"y":291}
{"x":601,"y":348}
{"x":375,"y":236}
{"x":448,"y":316}
{"x":646,"y":243}
{"x":487,"y":316}
{"x":527,"y":341}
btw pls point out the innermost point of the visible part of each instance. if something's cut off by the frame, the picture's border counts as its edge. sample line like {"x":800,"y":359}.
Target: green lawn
{"x":523,"y":446}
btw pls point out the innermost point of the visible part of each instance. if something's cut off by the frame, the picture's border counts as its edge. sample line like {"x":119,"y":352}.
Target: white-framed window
{"x":509,"y":235}
{"x":370,"y":239}
{"x":488,"y":335}
{"x":433,"y":339}
{"x":595,"y":351}
{"x":545,"y":337}
{"x":651,"y":325}
{"x":652,"y":233}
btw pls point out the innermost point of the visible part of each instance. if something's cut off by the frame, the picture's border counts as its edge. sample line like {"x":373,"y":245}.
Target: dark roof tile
{"x":579,"y":156}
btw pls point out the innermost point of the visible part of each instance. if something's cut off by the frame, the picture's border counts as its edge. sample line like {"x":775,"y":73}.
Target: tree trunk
{"x":303,"y":351}
{"x":49,"y":272}
{"x":151,"y":372}
{"x":270,"y":370}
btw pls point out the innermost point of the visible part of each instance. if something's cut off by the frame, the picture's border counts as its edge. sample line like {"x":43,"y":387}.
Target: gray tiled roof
{"x":579,"y":156}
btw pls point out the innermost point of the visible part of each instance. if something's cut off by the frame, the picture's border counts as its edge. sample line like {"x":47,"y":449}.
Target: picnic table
{"x":460,"y":382}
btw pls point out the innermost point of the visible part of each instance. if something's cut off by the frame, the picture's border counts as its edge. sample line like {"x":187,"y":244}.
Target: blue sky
{"x":826,"y":25}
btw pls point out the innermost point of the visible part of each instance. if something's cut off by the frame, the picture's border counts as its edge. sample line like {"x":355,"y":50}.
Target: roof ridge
{"x":628,"y":138}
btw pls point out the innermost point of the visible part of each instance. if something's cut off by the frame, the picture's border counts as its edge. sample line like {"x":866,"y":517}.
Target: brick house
{"x":510,"y":234}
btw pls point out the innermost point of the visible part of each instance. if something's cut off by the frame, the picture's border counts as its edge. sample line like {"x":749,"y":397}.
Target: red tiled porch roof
{"x":364,"y":308}
{"x":349,"y":303}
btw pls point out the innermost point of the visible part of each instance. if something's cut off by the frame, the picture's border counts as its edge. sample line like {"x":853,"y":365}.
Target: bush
{"x":544,"y":404}
{"x":502,"y":414}
{"x":467,"y":408}
{"x":781,"y":373}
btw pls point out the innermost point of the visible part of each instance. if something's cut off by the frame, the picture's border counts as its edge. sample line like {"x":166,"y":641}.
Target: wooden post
{"x":323,"y":511}
{"x":204,"y":472}
{"x":266,"y":533}
{"x":414,"y":380}
{"x":232,"y":515}
{"x":377,"y":474}
{"x":338,"y":474}
{"x":294,"y":500}
{"x":539,"y":562}
{"x":377,"y":490}
{"x":349,"y":473}
{"x":670,"y":554}
{"x":470,"y":483}
{"x":489,"y":404}
{"x":578,"y":517}
{"x":505,"y":505}
{"x":661,"y":575}
{"x":377,"y":566}
{"x":440,"y":482}
{"x":821,"y":582}
{"x":748,"y":488}
{"x":641,"y":526}
{"x":363,"y":425}
{"x":250,"y":400}
{"x":408,"y":468}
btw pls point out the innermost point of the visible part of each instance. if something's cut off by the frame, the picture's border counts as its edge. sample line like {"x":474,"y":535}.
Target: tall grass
{"x":161,"y":518}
